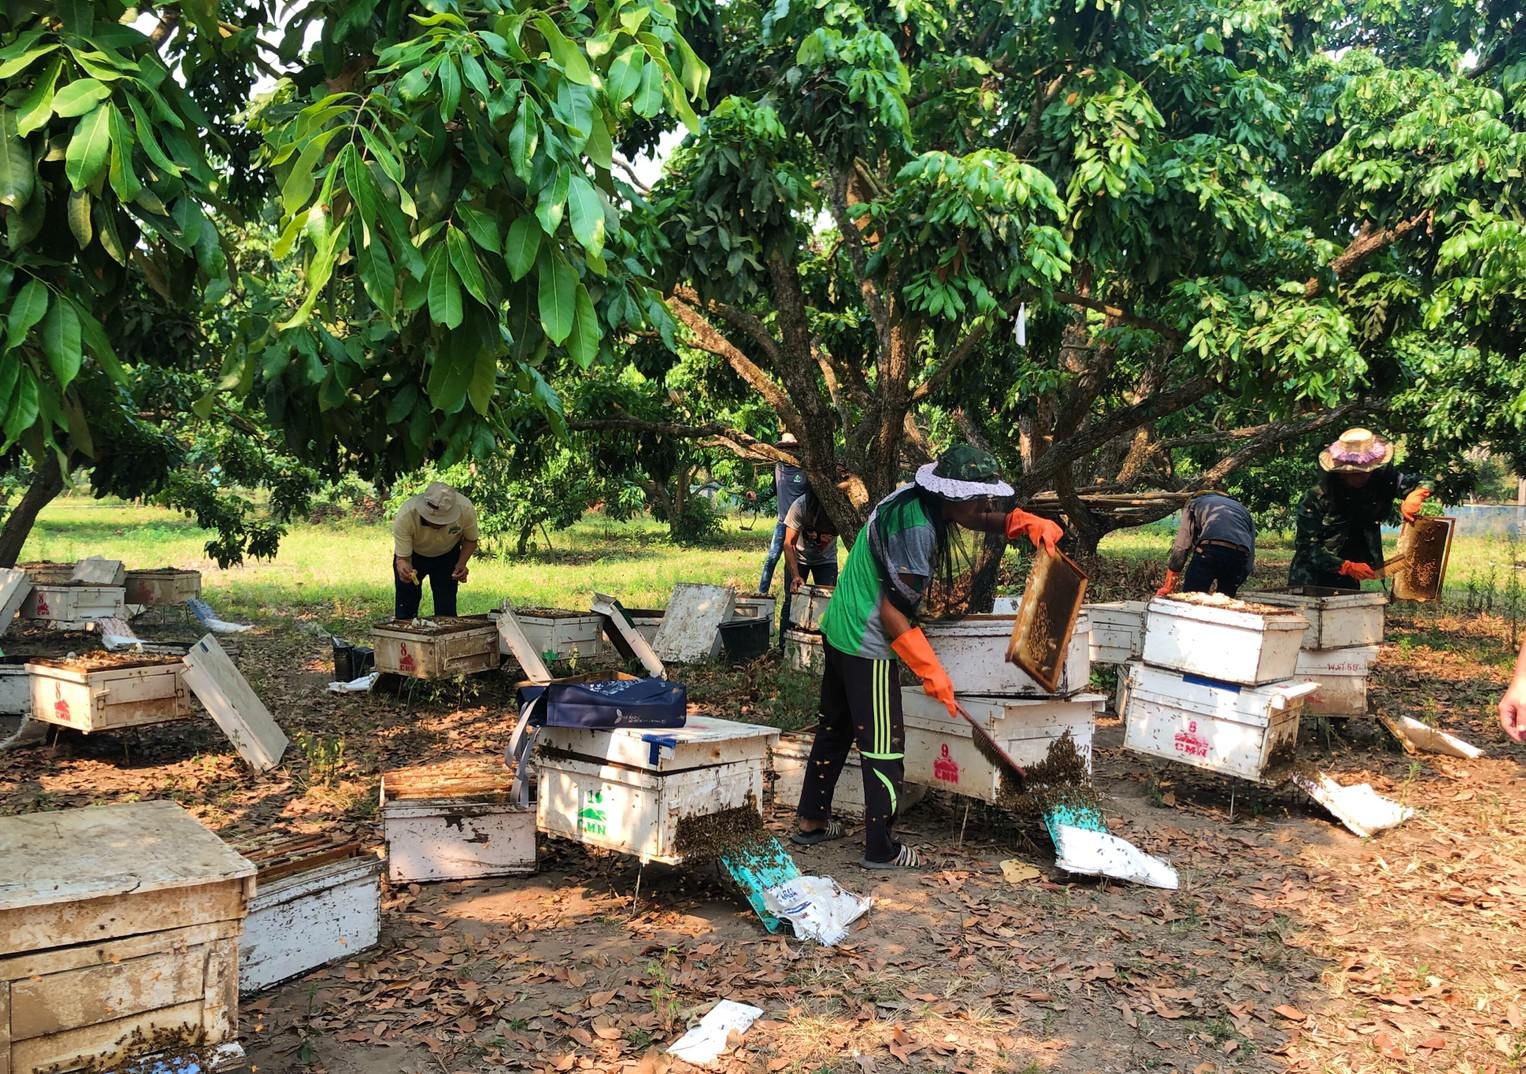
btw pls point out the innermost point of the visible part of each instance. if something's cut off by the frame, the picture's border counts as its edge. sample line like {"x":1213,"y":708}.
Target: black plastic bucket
{"x":352,"y":661}
{"x":744,"y":640}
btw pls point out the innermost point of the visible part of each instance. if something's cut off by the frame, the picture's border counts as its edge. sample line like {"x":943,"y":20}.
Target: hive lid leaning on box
{"x":47,"y":859}
{"x":703,"y":741}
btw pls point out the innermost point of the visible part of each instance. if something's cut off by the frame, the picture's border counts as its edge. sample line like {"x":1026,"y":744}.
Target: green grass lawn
{"x":339,"y":574}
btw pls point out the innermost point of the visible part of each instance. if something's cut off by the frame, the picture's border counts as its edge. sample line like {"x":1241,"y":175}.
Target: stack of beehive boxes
{"x":1216,"y":687}
{"x":1339,"y":648}
{"x":1024,"y":718}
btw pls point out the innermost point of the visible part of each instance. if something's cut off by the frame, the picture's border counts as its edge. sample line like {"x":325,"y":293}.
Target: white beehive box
{"x":118,"y":921}
{"x":1338,"y":621}
{"x":455,"y":821}
{"x":941,"y":752}
{"x":1342,"y":678}
{"x":166,"y":585}
{"x":313,"y":905}
{"x":789,"y":757}
{"x":136,"y":692}
{"x":631,"y":789}
{"x":73,"y":604}
{"x":804,"y":650}
{"x":46,"y":573}
{"x":973,"y":651}
{"x":15,"y":687}
{"x":439,"y":648}
{"x":1212,"y":724}
{"x":807,"y":604}
{"x":756,"y":608}
{"x":1229,"y":641}
{"x":1117,"y":630}
{"x":559,"y":634}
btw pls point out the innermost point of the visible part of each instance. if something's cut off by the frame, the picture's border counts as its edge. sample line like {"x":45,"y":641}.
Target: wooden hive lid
{"x":99,"y":851}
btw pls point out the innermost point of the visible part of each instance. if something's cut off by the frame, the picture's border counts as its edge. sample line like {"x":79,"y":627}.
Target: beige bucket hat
{"x":440,"y":505}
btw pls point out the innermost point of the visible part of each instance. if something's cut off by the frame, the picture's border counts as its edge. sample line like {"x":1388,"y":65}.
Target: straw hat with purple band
{"x":963,"y":473}
{"x":440,"y":505}
{"x":1358,"y":451}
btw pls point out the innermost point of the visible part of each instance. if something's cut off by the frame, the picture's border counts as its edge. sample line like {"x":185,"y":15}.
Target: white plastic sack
{"x":817,"y":908}
{"x":354,"y":686}
{"x":208,"y":618}
{"x":1090,"y":853}
{"x":704,"y":1044}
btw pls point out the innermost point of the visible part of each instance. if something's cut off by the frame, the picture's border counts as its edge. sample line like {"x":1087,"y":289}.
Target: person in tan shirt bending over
{"x":433,"y":536}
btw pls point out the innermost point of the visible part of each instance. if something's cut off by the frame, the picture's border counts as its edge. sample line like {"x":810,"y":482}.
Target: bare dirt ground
{"x":1291,"y":945}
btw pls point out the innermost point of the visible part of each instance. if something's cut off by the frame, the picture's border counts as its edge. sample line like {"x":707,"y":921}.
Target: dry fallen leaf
{"x":1019,"y":872}
{"x":1291,"y":1013}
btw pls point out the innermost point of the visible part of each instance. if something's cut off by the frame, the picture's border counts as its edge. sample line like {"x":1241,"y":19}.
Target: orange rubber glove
{"x":1358,"y":572}
{"x":1170,"y":584}
{"x":917,"y":653}
{"x":1042,"y":532}
{"x":1409,"y":510}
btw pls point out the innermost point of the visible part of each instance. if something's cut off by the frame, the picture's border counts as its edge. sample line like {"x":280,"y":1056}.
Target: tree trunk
{"x":47,"y":483}
{"x":522,"y":548}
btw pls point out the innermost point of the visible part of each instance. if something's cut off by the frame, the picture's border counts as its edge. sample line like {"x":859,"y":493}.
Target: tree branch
{"x":1274,"y":433}
{"x":966,"y":346}
{"x":1369,"y":239}
{"x":858,"y":257}
{"x":709,"y":338}
{"x":711,"y":434}
{"x":740,"y":320}
{"x":1119,"y":314}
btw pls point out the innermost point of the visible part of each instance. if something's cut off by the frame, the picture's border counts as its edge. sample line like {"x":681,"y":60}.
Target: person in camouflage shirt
{"x":1339,"y":541}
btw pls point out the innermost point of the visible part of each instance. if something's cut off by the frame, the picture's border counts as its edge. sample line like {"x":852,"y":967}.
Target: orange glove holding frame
{"x":1409,"y":510}
{"x":1170,"y":584}
{"x":1358,"y":572}
{"x":917,"y":653}
{"x":1042,"y":532}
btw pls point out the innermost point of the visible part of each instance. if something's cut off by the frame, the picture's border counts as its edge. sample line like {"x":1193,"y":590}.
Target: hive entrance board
{"x":14,"y":587}
{"x":1046,"y":618}
{"x":235,"y":706}
{"x":624,"y":635}
{"x":691,"y":626}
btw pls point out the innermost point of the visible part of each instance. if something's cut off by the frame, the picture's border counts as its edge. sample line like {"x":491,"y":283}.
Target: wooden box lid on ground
{"x":164,"y":585}
{"x":102,"y":691}
{"x":455,"y":821}
{"x":317,"y":900}
{"x":120,"y":927}
{"x":438,"y":648}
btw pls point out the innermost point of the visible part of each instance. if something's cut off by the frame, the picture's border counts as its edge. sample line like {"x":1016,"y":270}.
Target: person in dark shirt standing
{"x":1219,"y":535}
{"x":1338,"y":543}
{"x":789,"y":485}
{"x":810,"y":551}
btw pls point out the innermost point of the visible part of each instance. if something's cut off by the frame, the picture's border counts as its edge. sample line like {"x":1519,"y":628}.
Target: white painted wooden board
{"x":96,"y":570}
{"x":631,"y":638}
{"x":233,"y":703}
{"x":1242,"y":647}
{"x":691,"y":625}
{"x":15,"y":689}
{"x":973,"y":651}
{"x":310,"y":919}
{"x":513,"y":642}
{"x":456,"y":839}
{"x":637,"y":812}
{"x":1338,"y":621}
{"x":702,"y":741}
{"x":805,"y":651}
{"x":14,"y":588}
{"x":1218,"y":726}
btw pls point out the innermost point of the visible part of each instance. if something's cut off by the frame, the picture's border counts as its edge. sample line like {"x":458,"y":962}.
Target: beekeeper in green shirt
{"x":906,"y":547}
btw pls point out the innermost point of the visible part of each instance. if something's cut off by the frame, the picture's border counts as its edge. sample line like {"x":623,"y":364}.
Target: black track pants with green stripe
{"x":860,"y":703}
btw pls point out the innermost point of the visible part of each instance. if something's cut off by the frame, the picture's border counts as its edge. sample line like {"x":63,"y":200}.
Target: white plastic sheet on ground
{"x":704,"y":1044}
{"x":354,"y":686}
{"x":1435,"y":740}
{"x":1359,"y":807}
{"x":1092,"y":853}
{"x":817,"y":908}
{"x":208,"y":618}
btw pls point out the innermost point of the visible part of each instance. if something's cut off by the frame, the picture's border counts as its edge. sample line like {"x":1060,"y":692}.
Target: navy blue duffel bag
{"x":607,"y":703}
